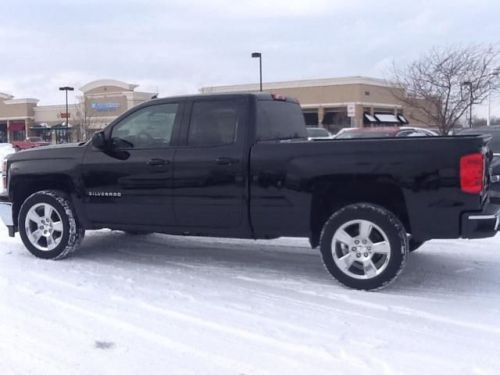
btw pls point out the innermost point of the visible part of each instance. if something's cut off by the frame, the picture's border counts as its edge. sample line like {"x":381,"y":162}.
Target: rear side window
{"x":279,"y":120}
{"x":214,"y":123}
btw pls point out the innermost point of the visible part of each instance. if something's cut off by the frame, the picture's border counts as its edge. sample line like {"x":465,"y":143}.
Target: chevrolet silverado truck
{"x":241,"y":166}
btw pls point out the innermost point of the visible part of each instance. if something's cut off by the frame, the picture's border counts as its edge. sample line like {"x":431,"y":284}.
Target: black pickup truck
{"x":240,"y":166}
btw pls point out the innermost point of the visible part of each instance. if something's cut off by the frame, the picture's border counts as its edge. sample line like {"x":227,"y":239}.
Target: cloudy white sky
{"x":178,"y":46}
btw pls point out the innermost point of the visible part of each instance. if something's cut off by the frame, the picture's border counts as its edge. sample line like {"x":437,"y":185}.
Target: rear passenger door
{"x":210,"y":166}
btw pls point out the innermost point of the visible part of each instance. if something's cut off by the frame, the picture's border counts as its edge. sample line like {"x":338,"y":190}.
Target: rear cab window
{"x":279,"y":120}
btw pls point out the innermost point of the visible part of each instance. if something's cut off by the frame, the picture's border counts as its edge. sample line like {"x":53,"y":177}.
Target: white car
{"x":318,"y":133}
{"x":5,"y":149}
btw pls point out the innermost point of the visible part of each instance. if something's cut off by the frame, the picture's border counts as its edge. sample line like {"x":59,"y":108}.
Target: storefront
{"x":16,"y":116}
{"x":59,"y":133}
{"x":17,"y":130}
{"x":100,"y":103}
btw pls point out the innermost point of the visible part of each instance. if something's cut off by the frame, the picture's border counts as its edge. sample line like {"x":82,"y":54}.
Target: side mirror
{"x":99,"y":141}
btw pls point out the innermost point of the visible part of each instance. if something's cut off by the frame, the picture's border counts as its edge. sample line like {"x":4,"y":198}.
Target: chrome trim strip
{"x":6,"y":213}
{"x":483,"y":217}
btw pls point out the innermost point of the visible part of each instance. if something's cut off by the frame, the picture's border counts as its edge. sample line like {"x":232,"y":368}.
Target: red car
{"x":29,"y":142}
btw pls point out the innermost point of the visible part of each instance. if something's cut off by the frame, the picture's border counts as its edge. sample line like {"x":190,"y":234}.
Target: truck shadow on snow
{"x":428,"y":269}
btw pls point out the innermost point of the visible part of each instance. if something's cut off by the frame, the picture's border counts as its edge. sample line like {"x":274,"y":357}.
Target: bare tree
{"x":84,"y":119}
{"x":444,"y":84}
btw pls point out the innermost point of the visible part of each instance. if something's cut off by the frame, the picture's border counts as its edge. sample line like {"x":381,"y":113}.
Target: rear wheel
{"x":48,"y":225}
{"x":364,"y":246}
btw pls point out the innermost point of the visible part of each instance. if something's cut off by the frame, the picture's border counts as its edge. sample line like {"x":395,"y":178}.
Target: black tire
{"x":66,"y":240}
{"x":415,"y":245}
{"x":382,"y":223}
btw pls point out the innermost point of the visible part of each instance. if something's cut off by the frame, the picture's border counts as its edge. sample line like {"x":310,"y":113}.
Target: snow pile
{"x":162,"y":305}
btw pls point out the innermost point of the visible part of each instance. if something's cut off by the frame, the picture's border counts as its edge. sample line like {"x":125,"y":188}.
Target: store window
{"x":17,"y":130}
{"x":335,"y":119}
{"x":311,"y":118}
{"x":3,"y":132}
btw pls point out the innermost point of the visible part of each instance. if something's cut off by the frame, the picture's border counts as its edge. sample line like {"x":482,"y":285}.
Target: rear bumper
{"x":6,"y":214}
{"x":480,"y":225}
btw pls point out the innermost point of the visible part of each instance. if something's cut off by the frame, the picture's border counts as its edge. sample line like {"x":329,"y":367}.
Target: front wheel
{"x":364,"y":246}
{"x":48,"y":225}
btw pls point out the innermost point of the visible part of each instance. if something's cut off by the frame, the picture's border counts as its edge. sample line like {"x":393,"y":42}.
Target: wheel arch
{"x":24,"y":186}
{"x":331,"y":195}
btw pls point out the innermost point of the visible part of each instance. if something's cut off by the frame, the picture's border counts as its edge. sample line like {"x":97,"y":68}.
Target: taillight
{"x":472,"y":173}
{"x":280,"y":98}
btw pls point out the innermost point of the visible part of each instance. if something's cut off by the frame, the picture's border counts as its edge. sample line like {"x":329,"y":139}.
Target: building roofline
{"x":107,"y":82}
{"x":50,"y":107}
{"x":360,"y":80}
{"x":5,"y":96}
{"x":22,"y":101}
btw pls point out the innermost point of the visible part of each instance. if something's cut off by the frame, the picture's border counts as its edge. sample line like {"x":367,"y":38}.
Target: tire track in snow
{"x":396,"y":309}
{"x":316,"y":353}
{"x":159,"y":339}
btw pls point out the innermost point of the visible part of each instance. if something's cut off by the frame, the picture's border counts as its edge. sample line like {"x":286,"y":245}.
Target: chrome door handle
{"x":158,"y":162}
{"x":225,"y":161}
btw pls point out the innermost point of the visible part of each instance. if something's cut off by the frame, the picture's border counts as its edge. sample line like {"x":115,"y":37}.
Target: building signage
{"x":351,"y":110}
{"x":105,"y":107}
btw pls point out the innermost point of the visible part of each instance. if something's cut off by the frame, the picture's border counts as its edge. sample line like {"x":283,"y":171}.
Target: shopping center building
{"x":337,"y":103}
{"x":332,"y":103}
{"x":99,"y":102}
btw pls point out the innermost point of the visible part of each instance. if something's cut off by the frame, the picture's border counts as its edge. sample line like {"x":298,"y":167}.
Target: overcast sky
{"x":178,"y":46}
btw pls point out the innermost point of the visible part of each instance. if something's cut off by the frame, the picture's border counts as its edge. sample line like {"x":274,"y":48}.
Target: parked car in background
{"x":384,"y":132}
{"x":30,"y":142}
{"x":318,"y":133}
{"x":5,"y":150}
{"x":494,"y":145}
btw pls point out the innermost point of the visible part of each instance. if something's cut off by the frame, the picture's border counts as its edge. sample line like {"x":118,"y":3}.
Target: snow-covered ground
{"x":170,"y":305}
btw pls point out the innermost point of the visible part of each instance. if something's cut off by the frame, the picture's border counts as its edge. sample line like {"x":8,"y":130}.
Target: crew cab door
{"x":210,"y":176}
{"x":130,"y":183}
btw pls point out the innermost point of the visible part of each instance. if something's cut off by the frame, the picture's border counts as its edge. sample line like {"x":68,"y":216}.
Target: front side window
{"x":214,"y":123}
{"x":149,"y":127}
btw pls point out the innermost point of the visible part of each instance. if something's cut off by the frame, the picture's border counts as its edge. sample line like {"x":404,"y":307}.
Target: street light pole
{"x":259,"y":56}
{"x":66,"y":88}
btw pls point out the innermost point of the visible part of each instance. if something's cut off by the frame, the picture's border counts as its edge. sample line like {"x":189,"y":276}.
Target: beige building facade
{"x":16,"y":116}
{"x":99,"y":103}
{"x":336,"y":103}
{"x":332,"y":103}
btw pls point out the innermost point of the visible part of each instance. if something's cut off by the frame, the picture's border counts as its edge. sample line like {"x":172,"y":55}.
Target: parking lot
{"x":159,"y":304}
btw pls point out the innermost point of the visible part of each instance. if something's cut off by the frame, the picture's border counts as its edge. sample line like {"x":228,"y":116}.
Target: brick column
{"x":357,"y":120}
{"x":321,"y":113}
